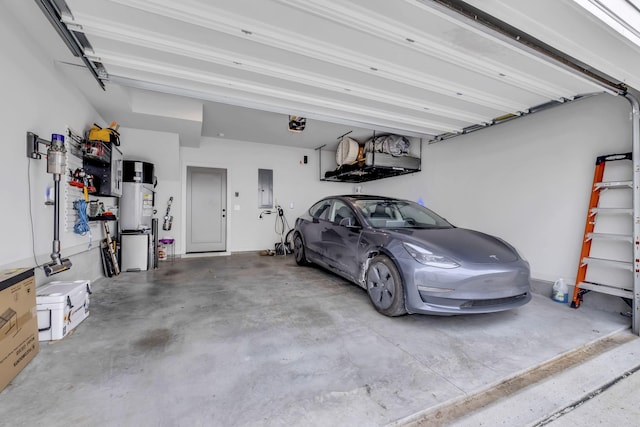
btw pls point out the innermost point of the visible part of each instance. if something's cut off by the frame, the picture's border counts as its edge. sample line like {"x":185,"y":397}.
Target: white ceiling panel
{"x":572,"y":29}
{"x":412,"y":67}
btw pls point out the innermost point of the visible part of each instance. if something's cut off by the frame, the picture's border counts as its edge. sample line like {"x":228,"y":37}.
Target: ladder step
{"x":613,"y":184}
{"x":611,"y":211}
{"x":611,"y":237}
{"x":618,"y":291}
{"x":613,"y":157}
{"x":608,"y":263}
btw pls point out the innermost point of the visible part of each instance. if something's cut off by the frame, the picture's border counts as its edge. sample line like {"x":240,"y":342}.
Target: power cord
{"x":82,"y":226}
{"x":33,"y":240}
{"x":281,"y":227}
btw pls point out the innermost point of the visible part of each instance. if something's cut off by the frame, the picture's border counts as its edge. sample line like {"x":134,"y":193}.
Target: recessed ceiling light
{"x":221,"y":135}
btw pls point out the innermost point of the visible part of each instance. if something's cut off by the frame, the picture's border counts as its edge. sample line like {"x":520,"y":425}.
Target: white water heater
{"x":138,"y":196}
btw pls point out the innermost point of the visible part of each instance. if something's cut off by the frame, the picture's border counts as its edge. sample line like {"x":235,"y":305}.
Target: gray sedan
{"x":409,"y":259}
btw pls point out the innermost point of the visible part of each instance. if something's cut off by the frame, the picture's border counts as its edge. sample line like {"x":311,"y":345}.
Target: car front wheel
{"x":298,"y":250}
{"x":384,"y":286}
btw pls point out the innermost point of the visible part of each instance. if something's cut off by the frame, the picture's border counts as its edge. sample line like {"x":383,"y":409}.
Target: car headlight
{"x":426,"y":257}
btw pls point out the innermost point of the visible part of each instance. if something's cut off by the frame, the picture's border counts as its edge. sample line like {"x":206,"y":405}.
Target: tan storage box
{"x":18,"y":322}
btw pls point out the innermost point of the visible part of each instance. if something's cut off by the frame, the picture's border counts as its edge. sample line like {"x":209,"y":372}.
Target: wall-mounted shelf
{"x":97,"y":151}
{"x":103,"y":218}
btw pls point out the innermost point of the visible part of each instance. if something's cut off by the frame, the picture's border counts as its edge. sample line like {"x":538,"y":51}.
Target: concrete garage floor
{"x":245,"y":340}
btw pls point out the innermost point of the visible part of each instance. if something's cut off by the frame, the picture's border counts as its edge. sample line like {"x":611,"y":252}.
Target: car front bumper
{"x":475,"y":288}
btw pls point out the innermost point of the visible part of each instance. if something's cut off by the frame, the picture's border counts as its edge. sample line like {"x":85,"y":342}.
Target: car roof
{"x":354,"y":197}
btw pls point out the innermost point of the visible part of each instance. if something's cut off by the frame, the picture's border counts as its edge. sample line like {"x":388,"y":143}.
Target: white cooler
{"x":61,"y":307}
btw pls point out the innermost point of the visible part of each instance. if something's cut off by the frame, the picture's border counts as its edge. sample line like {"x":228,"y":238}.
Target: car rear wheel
{"x":298,"y":250}
{"x":384,"y":286}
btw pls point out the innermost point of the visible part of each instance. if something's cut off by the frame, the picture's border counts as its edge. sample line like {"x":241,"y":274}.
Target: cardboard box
{"x":61,"y":307}
{"x":18,"y":322}
{"x":8,"y":321}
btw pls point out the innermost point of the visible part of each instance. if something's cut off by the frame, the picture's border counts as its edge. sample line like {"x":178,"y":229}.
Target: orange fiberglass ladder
{"x":582,"y":285}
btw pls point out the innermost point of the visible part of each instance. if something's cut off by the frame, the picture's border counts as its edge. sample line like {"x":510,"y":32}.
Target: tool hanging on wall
{"x":81,"y":227}
{"x":81,"y":179}
{"x":56,"y":165}
{"x":168,"y":219}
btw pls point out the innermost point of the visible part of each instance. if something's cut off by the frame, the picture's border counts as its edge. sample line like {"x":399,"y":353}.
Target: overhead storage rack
{"x":372,"y":165}
{"x":375,"y":166}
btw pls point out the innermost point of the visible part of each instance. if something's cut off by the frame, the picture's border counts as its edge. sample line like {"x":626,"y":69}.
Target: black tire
{"x":288,"y":241}
{"x":384,"y":286}
{"x":298,"y":250}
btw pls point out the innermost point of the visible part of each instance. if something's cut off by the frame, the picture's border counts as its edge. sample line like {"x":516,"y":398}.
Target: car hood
{"x":460,"y":244}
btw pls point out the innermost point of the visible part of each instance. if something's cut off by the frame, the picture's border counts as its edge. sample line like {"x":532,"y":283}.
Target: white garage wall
{"x":36,"y":98}
{"x":527,"y":181}
{"x":293,"y":182}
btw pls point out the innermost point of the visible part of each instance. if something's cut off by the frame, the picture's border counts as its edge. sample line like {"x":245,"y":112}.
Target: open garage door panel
{"x":412,"y":67}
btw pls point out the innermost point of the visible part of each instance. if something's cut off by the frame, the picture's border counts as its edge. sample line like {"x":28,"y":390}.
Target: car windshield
{"x":385,"y":213}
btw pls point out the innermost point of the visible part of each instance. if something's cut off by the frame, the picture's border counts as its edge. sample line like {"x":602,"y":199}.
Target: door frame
{"x":183,"y":211}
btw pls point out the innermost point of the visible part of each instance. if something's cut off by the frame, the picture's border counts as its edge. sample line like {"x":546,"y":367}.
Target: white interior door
{"x":206,"y":210}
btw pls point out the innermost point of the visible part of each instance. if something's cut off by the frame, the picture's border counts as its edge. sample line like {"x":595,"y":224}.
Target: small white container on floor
{"x":560,"y":291}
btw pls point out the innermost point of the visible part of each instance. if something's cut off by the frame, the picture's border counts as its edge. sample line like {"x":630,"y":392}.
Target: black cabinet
{"x":104,"y":162}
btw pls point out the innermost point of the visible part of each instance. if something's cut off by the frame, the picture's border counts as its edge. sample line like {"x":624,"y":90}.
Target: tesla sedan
{"x":409,"y":259}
